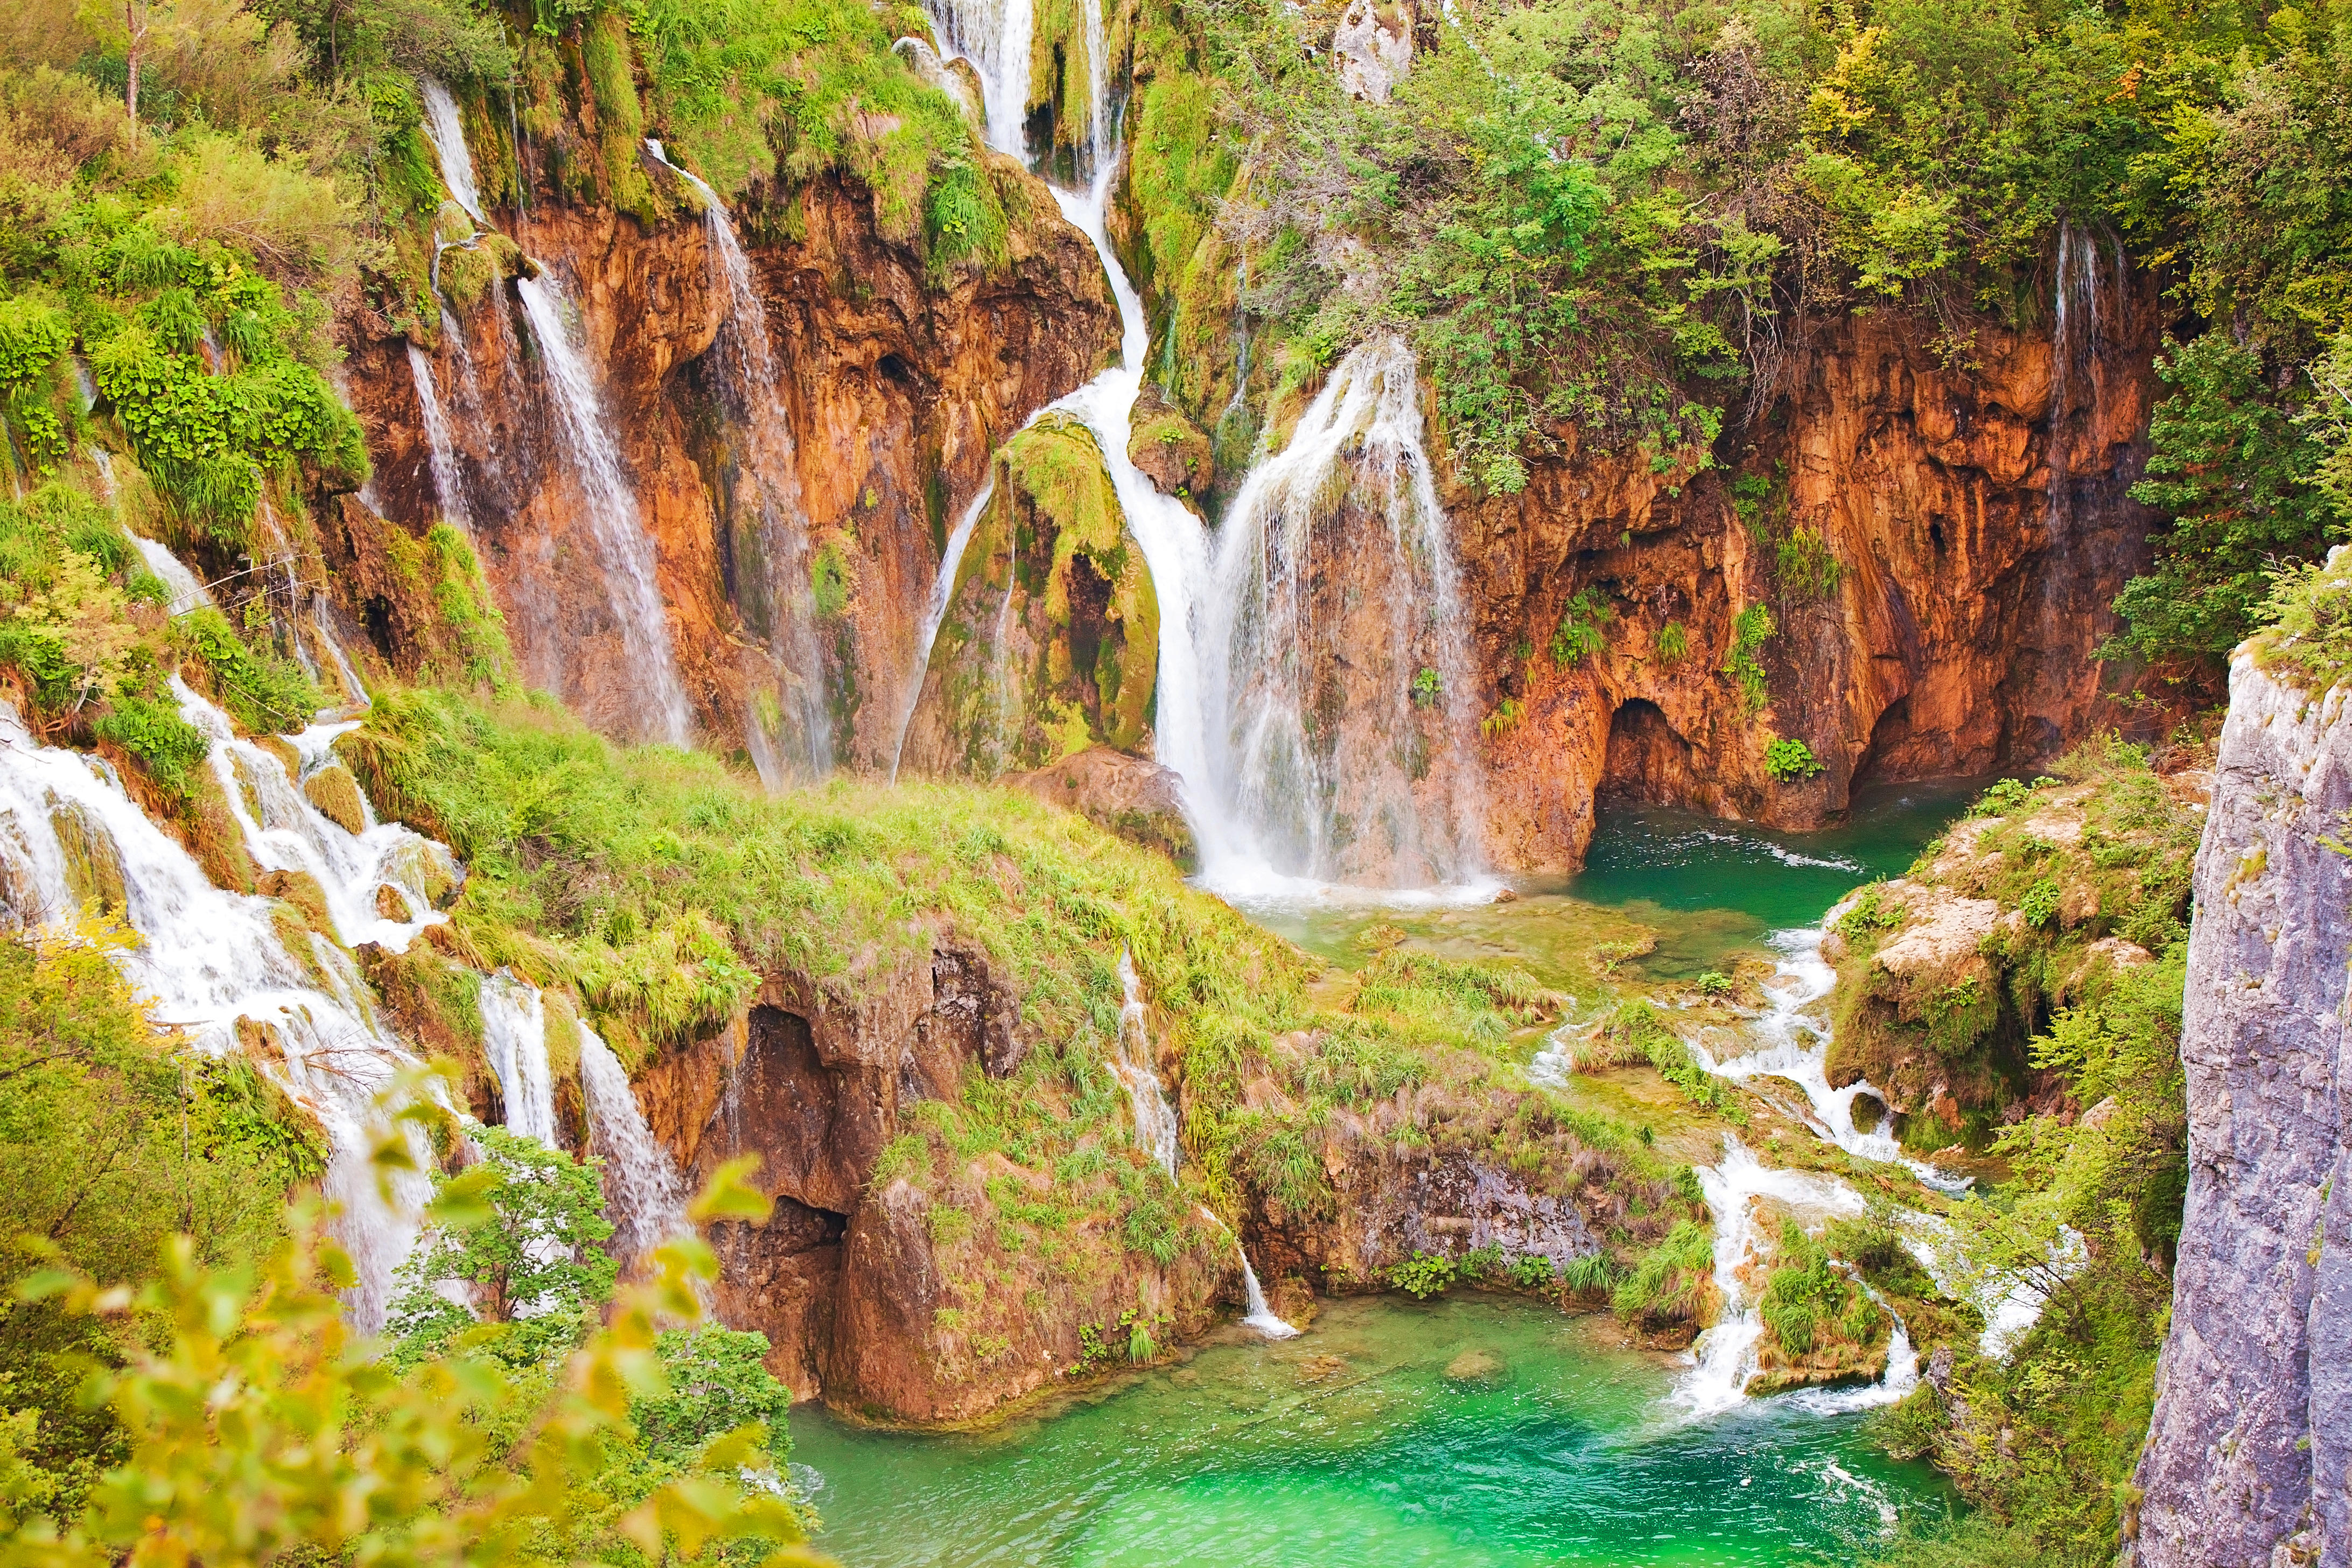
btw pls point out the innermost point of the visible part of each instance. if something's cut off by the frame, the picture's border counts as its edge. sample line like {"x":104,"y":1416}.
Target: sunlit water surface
{"x":1352,"y":1444}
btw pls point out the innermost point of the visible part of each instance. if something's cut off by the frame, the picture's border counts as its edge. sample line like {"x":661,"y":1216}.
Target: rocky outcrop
{"x":1140,"y":801}
{"x":891,"y":1297}
{"x":2249,"y":1457}
{"x":1050,"y":639}
{"x":1935,"y":583}
{"x":895,"y":388}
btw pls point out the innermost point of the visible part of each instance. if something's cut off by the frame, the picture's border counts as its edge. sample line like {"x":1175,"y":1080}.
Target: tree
{"x":517,"y":1235}
{"x":2239,"y":476}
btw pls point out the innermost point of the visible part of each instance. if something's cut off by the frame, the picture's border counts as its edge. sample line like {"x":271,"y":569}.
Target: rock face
{"x":1935,"y":592}
{"x":1050,"y":639}
{"x":2249,"y":1457}
{"x":894,"y":389}
{"x":1140,"y":801}
{"x":867,"y":1298}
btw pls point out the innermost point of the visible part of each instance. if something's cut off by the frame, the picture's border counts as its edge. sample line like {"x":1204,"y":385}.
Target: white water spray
{"x":805,"y":750}
{"x":514,"y":1036}
{"x":207,"y":959}
{"x":935,"y":611}
{"x":613,"y":517}
{"x":446,"y":132}
{"x":644,"y":1196}
{"x":1726,"y":1352}
{"x":1155,"y":1119}
{"x":440,"y":446}
{"x":994,"y":36}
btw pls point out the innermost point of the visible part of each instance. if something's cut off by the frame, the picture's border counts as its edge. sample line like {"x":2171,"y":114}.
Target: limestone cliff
{"x":894,"y":388}
{"x":2249,"y":1457}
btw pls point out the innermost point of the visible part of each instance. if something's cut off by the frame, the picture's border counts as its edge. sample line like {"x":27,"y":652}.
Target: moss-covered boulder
{"x":1168,"y":449}
{"x":1051,"y":640}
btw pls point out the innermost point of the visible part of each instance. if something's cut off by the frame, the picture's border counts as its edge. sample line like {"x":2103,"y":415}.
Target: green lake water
{"x":1351,"y":1444}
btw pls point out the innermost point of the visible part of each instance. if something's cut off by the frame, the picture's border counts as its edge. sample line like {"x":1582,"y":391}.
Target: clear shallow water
{"x":1708,"y":892}
{"x":1352,"y":1445}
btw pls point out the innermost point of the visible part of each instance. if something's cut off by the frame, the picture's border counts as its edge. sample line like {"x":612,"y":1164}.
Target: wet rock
{"x":302,"y":890}
{"x":93,"y":866}
{"x":1132,"y":796}
{"x":1372,"y":50}
{"x":1475,"y":1369}
{"x":1167,"y":448}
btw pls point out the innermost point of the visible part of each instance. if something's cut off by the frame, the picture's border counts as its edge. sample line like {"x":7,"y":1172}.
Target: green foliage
{"x":1636,"y":1031}
{"x":1425,"y":688}
{"x":1591,"y":1274}
{"x":1424,"y":1275}
{"x":2237,"y":475}
{"x":1532,"y":1272}
{"x":2004,"y":795}
{"x":1579,"y":630}
{"x":1807,"y":1301}
{"x":1750,"y":629}
{"x":1789,"y":759}
{"x":1672,"y":1284}
{"x":1715,"y":983}
{"x":1873,"y":911}
{"x":516,"y":1234}
{"x":2309,"y":640}
{"x":1481,"y":1262}
{"x":2041,"y":901}
{"x":266,"y":692}
{"x":1808,"y":569}
{"x":1674,"y":643}
{"x":169,"y":747}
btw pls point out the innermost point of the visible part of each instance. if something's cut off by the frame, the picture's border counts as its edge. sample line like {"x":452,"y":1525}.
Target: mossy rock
{"x":1051,"y":642}
{"x":336,"y":794}
{"x":1168,"y":449}
{"x":1476,"y":1369}
{"x":302,"y":892}
{"x":93,"y":866}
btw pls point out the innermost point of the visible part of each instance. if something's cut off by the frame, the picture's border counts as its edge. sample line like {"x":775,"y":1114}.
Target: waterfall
{"x":440,"y":448}
{"x":1795,"y":1047}
{"x":207,"y":958}
{"x":448,"y":134}
{"x":1299,"y":795}
{"x":644,"y":1196}
{"x":1155,"y":1119}
{"x":514,"y":1036}
{"x":1260,"y":1316}
{"x":323,"y":619}
{"x":935,"y":611}
{"x":1901,"y":1376}
{"x":994,"y":36}
{"x":755,"y":392}
{"x":1726,"y":1352}
{"x":284,"y":831}
{"x":611,"y":513}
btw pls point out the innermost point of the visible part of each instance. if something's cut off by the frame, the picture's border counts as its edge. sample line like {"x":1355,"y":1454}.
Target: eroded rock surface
{"x":2249,"y":1459}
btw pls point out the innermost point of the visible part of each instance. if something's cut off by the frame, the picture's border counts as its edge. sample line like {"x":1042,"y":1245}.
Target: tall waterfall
{"x":448,"y":134}
{"x":611,"y":513}
{"x":207,"y":958}
{"x":994,"y":36}
{"x":1338,"y":661}
{"x":1281,"y":804}
{"x":800,"y":746}
{"x":514,"y":1036}
{"x":644,"y":1196}
{"x":441,"y":447}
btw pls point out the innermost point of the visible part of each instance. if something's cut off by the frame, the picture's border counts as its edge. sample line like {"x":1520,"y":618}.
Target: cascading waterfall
{"x":801,"y":747}
{"x":1344,"y":798}
{"x":612,"y":512}
{"x":994,"y":36}
{"x":1726,"y":1352}
{"x":322,"y":619}
{"x":441,"y":447}
{"x":514,"y":1038}
{"x":285,"y":831}
{"x":935,"y":611}
{"x":1795,"y":1048}
{"x":644,"y":1196}
{"x":1155,"y":1119}
{"x":208,"y":958}
{"x":447,"y":130}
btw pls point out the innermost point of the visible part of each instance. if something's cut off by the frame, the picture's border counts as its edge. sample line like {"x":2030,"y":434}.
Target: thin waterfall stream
{"x":623,"y":546}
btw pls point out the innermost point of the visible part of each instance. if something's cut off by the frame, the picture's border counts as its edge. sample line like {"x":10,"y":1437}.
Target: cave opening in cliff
{"x":1647,"y":762}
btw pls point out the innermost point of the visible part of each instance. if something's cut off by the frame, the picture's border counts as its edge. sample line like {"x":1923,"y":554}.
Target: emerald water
{"x":1352,"y":1444}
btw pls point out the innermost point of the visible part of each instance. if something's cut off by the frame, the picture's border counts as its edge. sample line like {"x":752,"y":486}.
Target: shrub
{"x":1750,"y":631}
{"x":1715,"y":983}
{"x":1425,"y":685}
{"x":1423,"y":1275}
{"x":1674,"y":643}
{"x":1872,"y":912}
{"x":1481,"y":1261}
{"x":1579,"y":632}
{"x":1789,"y":759}
{"x":2041,"y":901}
{"x":1808,"y":569}
{"x":167,"y":745}
{"x":1532,"y":1272}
